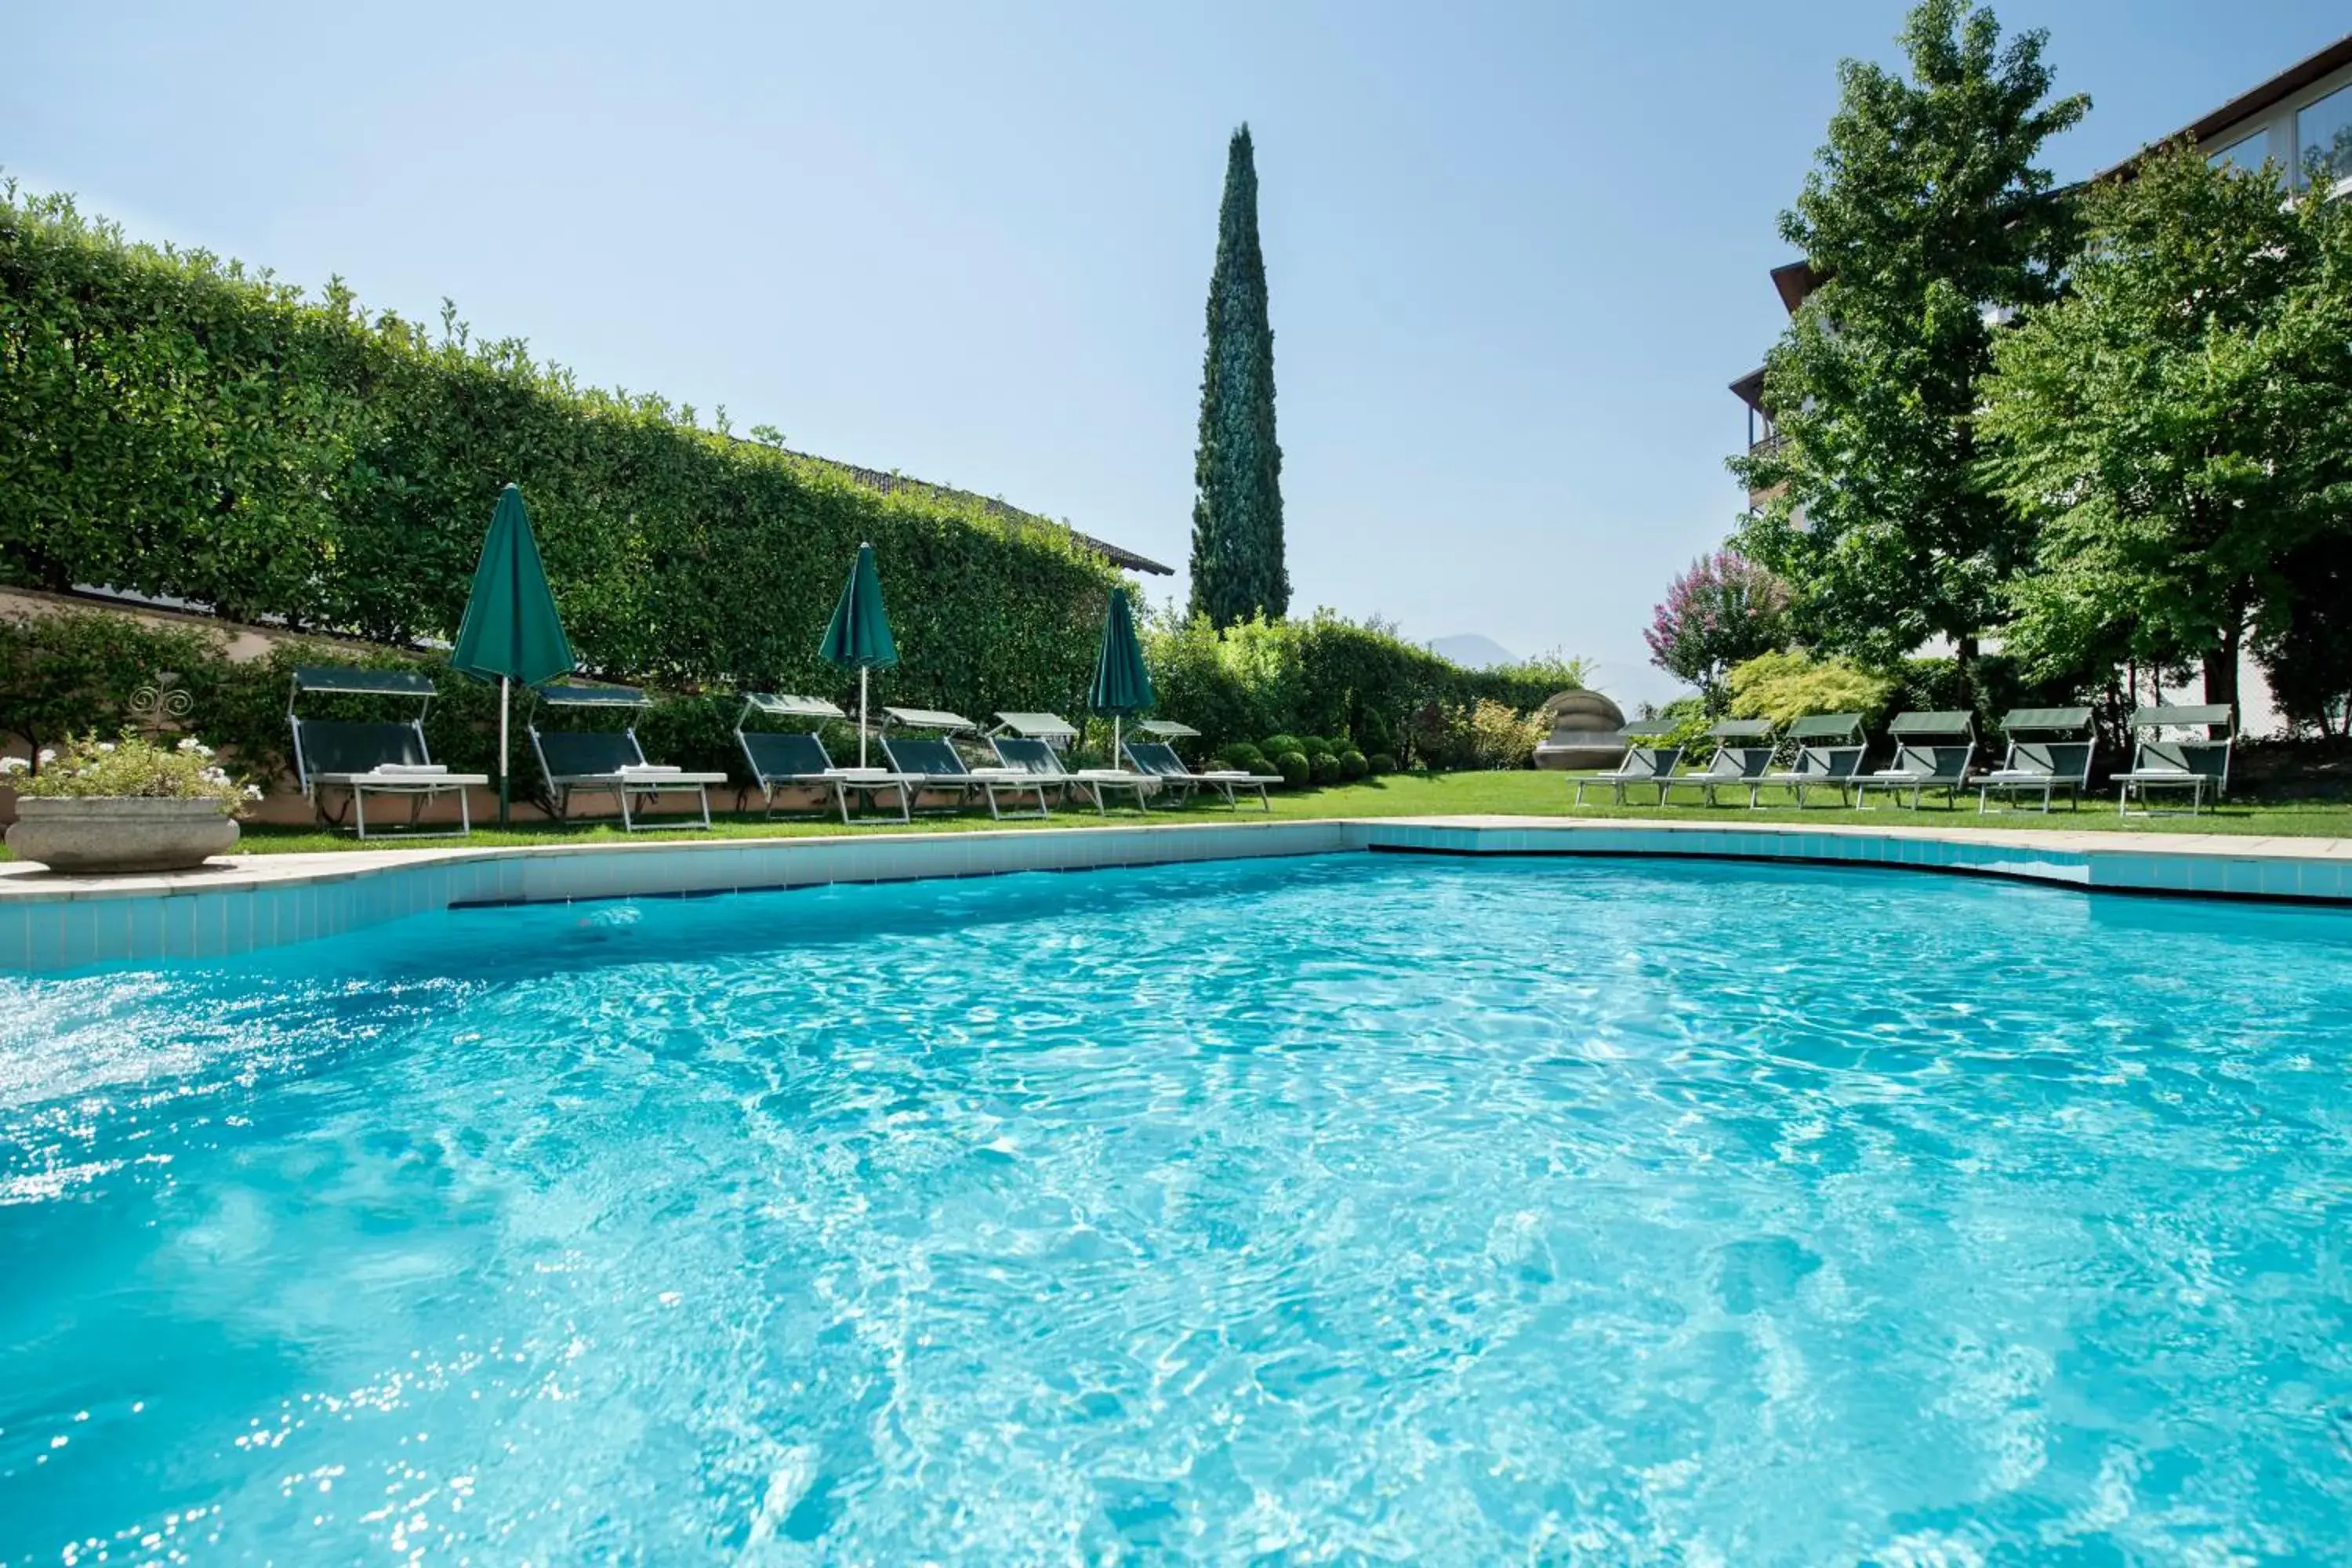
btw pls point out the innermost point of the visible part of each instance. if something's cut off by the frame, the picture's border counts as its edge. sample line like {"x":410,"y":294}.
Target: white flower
{"x":253,"y":791}
{"x":14,"y":765}
{"x":106,"y":745}
{"x":189,"y":743}
{"x":49,"y":754}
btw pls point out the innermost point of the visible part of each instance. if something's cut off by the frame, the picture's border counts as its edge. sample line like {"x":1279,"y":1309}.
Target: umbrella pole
{"x":503,"y":682}
{"x":861,"y":716}
{"x":1114,"y":739}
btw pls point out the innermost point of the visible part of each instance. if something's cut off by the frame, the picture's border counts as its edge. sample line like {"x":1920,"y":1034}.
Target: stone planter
{"x":119,"y":832}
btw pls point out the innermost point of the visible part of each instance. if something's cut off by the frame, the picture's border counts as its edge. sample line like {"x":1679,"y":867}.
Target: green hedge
{"x":170,"y":424}
{"x":1323,"y":677}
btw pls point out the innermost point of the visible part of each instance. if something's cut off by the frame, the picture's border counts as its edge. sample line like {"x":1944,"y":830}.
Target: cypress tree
{"x":1237,"y":565}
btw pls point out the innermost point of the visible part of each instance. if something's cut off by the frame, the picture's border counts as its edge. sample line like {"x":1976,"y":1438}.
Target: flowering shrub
{"x":1725,"y":610}
{"x":129,"y":766}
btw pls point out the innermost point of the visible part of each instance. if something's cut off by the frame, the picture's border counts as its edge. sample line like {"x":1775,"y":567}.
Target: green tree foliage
{"x":172,"y":426}
{"x":1237,"y":553}
{"x":1787,"y":686}
{"x":2179,"y":427}
{"x":2305,"y":649}
{"x":1927,"y":214}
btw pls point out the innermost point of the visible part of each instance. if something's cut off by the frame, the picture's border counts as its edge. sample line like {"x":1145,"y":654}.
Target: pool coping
{"x":50,"y":922}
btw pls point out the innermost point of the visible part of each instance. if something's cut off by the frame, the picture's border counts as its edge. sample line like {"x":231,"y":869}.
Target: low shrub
{"x":1274,"y":745}
{"x":1785,"y":687}
{"x":1323,"y":768}
{"x":1294,"y":768}
{"x":1352,"y":765}
{"x":1496,"y":736}
{"x":86,"y":767}
{"x":1380,"y":762}
{"x":1243,"y":755}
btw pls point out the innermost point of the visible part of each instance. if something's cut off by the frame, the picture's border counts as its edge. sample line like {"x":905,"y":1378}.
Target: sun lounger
{"x":1640,"y":765}
{"x":2050,"y":749}
{"x":383,"y":758}
{"x":1743,"y":754}
{"x":782,"y":759}
{"x":608,"y":761}
{"x":1932,"y":751}
{"x":1830,"y":748}
{"x":1025,"y":740}
{"x":934,"y":760}
{"x":2197,"y":761}
{"x":1158,"y":759}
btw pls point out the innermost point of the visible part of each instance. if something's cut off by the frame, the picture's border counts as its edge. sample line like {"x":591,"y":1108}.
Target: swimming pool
{"x":1361,"y":1206}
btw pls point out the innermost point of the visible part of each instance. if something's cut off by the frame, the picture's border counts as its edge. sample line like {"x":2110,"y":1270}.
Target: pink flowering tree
{"x":1725,"y":609}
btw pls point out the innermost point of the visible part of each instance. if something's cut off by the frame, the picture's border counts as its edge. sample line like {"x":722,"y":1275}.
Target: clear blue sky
{"x":1516,"y":252}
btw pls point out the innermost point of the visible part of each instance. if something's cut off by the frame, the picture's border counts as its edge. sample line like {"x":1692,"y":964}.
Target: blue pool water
{"x":1364,"y":1208}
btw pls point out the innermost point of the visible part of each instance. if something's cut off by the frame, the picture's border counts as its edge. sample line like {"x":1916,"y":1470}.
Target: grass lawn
{"x":1528,"y":794}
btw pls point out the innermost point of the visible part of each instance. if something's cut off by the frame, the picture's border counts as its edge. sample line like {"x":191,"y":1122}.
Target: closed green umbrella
{"x":859,"y":637}
{"x":510,"y":631}
{"x":1122,"y":685}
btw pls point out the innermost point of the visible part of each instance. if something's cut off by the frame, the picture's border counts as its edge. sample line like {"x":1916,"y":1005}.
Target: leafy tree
{"x":1724,"y":610}
{"x":2178,"y":430}
{"x":2306,"y":652}
{"x":1237,"y":564}
{"x":1928,"y":218}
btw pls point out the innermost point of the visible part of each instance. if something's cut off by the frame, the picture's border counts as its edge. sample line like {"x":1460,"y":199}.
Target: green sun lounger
{"x":360,"y":758}
{"x":786,"y":759}
{"x":2050,"y":749}
{"x":1932,"y":751}
{"x":934,"y":760}
{"x":1158,"y":759}
{"x":1026,"y":741}
{"x":1743,"y":754}
{"x":1830,"y":748}
{"x":1640,"y":765}
{"x":2175,"y":748}
{"x":608,"y":761}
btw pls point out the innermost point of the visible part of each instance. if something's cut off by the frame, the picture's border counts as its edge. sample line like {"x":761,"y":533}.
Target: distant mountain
{"x":1473,"y":651}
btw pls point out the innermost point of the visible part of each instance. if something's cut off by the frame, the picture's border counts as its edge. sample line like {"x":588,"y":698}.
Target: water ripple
{"x":1327,"y":1210}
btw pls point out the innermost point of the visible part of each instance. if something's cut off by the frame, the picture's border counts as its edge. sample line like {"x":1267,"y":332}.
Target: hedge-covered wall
{"x":171,"y":425}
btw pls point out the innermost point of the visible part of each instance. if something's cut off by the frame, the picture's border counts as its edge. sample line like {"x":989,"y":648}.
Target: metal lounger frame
{"x":421,"y":789}
{"x":2178,"y":760}
{"x":830,"y":780}
{"x":1658,"y":763}
{"x":647,"y":788}
{"x":2043,"y":772}
{"x":1071,"y":783}
{"x":1158,"y":759}
{"x":963,"y":782}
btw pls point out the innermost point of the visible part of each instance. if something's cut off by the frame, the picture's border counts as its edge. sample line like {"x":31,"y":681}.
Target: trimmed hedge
{"x":171,"y":425}
{"x":1324,"y":684}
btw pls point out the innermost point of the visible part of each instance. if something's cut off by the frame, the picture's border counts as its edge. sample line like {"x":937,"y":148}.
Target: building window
{"x":2247,"y":153}
{"x":2325,"y":131}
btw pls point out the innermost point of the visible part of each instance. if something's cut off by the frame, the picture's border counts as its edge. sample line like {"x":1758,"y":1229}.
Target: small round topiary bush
{"x":1274,"y":745}
{"x":1353,"y":765}
{"x":1294,"y":768}
{"x":1243,"y":755}
{"x":1380,"y":763}
{"x":1324,"y":768}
